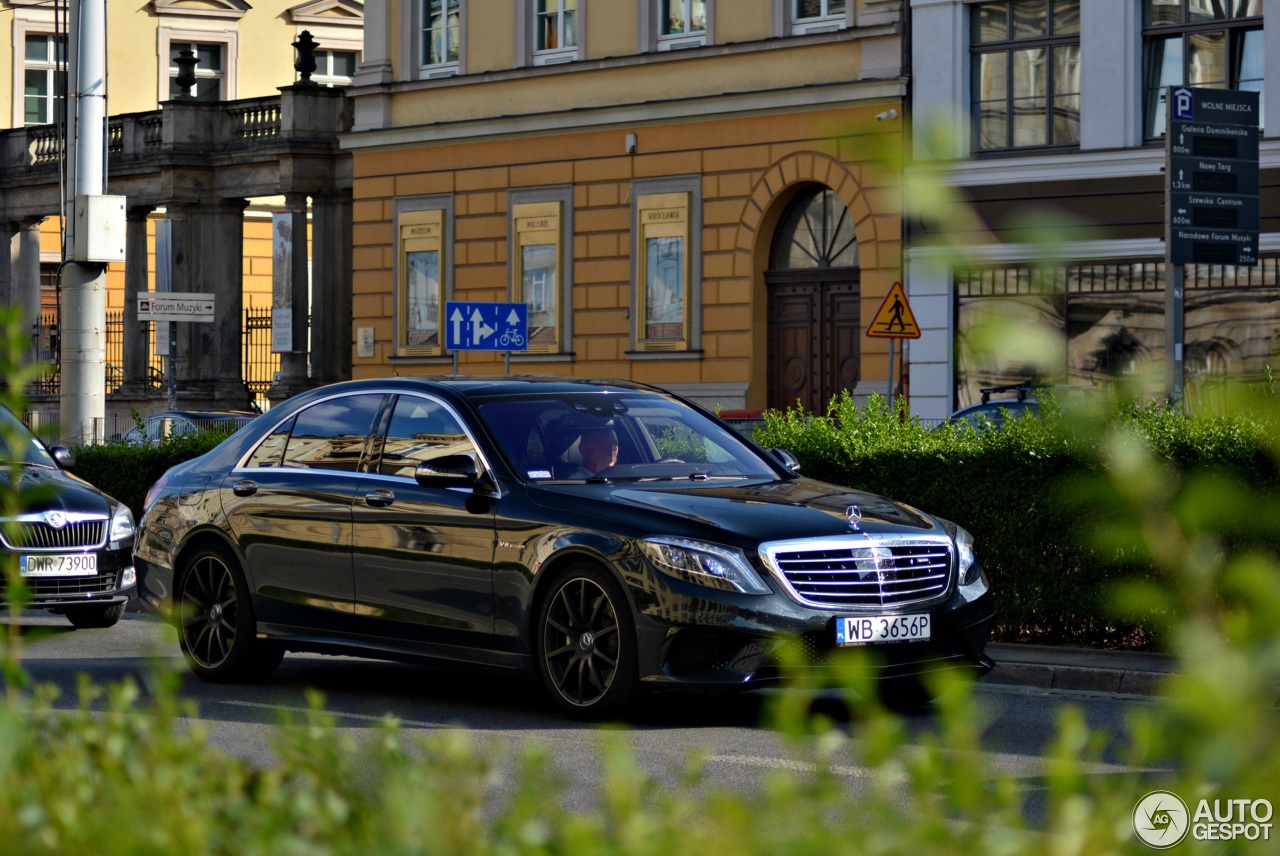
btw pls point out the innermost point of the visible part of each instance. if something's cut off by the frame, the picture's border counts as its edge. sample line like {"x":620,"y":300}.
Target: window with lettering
{"x":664,"y":259}
{"x":537,"y":274}
{"x":420,"y":290}
{"x":1214,"y":44}
{"x":1025,"y":58}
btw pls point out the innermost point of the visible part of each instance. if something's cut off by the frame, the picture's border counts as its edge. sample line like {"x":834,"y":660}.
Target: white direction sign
{"x":170,"y":306}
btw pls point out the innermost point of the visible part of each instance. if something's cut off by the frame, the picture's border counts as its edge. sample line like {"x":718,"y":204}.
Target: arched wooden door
{"x":814,"y":296}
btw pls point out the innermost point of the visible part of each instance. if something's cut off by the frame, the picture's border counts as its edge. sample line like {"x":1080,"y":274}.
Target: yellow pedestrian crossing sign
{"x":894,"y":319}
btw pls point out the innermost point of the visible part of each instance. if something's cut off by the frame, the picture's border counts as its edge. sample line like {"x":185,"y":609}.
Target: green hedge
{"x":1046,"y":543}
{"x":127,"y":472}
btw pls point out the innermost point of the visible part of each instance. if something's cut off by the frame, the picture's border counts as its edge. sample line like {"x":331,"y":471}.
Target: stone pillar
{"x":296,"y":297}
{"x":136,"y":333}
{"x":331,"y":291}
{"x":20,"y":276}
{"x":208,"y":258}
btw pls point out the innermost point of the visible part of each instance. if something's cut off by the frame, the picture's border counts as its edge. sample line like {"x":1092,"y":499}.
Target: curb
{"x":1082,"y":670}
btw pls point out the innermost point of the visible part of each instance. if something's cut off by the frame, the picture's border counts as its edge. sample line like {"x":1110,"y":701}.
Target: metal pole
{"x":1174,"y":331}
{"x":82,"y":400}
{"x":173,"y":365}
{"x":889,"y":391}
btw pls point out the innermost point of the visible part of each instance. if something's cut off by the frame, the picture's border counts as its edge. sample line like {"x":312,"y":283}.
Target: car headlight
{"x":122,"y":527}
{"x":703,"y":564}
{"x":969,"y":569}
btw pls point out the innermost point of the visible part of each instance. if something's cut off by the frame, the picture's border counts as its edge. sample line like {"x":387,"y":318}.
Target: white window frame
{"x":51,"y":68}
{"x":528,"y":11}
{"x":414,"y":40}
{"x":326,"y":77}
{"x":650,"y":31}
{"x":228,"y":39}
{"x":787,"y":24}
{"x":27,"y":20}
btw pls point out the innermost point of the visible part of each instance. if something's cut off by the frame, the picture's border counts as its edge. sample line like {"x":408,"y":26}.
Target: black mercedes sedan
{"x":601,"y":536}
{"x":71,"y":543}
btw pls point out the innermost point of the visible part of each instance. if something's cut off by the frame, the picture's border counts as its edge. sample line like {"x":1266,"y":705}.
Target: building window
{"x":441,"y":37}
{"x":210,"y":70}
{"x":44,"y":78}
{"x":1216,"y":45}
{"x":537,"y":272}
{"x":817,"y":16}
{"x":1026,"y":74}
{"x":667,"y":294}
{"x":681,"y":23}
{"x":334,"y":68}
{"x":556,"y":25}
{"x":422,"y":276}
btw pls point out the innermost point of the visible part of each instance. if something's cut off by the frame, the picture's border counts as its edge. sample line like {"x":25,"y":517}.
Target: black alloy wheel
{"x":216,"y":628}
{"x":586,"y":651}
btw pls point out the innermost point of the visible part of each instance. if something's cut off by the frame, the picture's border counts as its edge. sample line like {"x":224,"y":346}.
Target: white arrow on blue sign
{"x":486,"y":326}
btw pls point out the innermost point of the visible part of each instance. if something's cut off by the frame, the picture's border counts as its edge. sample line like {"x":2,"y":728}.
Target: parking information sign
{"x":1211,"y":159}
{"x":486,"y":326}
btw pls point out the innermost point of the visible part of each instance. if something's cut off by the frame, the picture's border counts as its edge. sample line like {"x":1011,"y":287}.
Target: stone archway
{"x":820,"y":309}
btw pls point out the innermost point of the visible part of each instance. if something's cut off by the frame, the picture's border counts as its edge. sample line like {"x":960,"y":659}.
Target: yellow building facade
{"x":244,"y":50}
{"x":688,"y":193}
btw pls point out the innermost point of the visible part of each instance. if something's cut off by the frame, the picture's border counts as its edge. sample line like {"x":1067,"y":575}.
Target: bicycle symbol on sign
{"x":512,"y":338}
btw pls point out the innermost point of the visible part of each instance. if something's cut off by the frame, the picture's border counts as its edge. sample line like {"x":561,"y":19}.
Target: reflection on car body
{"x":454,"y":520}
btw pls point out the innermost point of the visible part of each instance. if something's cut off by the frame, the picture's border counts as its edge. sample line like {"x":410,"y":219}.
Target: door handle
{"x":379,"y":498}
{"x":245,"y":488}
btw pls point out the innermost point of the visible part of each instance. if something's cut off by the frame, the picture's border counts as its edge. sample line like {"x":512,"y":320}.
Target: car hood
{"x":47,"y":489}
{"x":754,"y":511}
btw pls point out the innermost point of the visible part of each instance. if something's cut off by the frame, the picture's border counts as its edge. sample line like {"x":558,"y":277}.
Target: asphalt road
{"x":729,"y":731}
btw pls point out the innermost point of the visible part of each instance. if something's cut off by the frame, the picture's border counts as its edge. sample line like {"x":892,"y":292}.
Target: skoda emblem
{"x":854,"y":514}
{"x":56,"y":519}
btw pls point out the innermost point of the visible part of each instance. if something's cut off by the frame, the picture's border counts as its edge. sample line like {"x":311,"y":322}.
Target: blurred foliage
{"x":1048,"y":570}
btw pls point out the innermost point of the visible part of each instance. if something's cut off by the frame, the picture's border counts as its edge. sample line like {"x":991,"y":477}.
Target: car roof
{"x":492,"y":386}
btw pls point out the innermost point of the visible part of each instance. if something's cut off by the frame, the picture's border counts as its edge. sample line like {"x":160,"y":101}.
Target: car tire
{"x":95,"y":616}
{"x":585,"y":644}
{"x":216,"y":626}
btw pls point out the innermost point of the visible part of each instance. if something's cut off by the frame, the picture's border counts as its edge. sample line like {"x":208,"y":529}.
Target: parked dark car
{"x":73,"y":543}
{"x":1018,"y":401}
{"x":177,"y":423}
{"x":602,"y":536}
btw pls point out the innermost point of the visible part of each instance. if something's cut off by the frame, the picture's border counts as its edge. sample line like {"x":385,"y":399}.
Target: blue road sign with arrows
{"x":486,"y":326}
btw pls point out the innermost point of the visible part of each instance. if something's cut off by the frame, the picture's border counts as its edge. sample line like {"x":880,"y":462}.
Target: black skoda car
{"x":73,"y":544}
{"x":602,"y":536}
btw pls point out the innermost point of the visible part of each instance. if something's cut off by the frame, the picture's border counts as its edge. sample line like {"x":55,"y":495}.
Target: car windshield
{"x":19,"y":445}
{"x":619,"y":436}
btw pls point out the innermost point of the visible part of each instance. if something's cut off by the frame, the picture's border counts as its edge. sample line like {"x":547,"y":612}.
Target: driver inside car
{"x":599,"y":450}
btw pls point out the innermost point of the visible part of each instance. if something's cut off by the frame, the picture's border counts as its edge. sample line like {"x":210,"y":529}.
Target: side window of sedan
{"x":332,"y":435}
{"x":421,"y":430}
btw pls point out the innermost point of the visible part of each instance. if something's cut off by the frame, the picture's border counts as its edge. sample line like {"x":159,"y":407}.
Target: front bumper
{"x":114,"y":583}
{"x":689,"y":636}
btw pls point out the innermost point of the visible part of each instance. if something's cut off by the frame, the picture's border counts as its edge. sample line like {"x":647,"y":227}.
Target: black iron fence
{"x":259,"y":365}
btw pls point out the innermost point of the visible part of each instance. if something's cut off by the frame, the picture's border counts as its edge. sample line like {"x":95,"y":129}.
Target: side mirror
{"x":448,"y":471}
{"x":63,"y":457}
{"x":787,"y":459}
